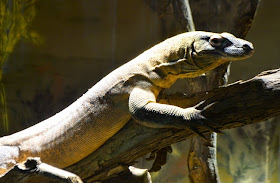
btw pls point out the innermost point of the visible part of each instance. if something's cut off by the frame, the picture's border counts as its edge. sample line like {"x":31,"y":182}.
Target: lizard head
{"x":209,"y":50}
{"x":191,"y":54}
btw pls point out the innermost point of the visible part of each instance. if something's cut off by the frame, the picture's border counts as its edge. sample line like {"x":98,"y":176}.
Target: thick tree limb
{"x":44,"y":172}
{"x":218,"y":16}
{"x":238,"y":104}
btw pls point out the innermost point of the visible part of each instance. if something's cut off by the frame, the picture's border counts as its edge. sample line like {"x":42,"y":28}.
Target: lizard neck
{"x":173,"y":67}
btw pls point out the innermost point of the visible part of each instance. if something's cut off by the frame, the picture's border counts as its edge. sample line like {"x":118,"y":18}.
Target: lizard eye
{"x":216,"y":41}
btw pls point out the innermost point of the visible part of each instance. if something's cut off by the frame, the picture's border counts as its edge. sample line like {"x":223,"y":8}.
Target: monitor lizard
{"x":128,"y":92}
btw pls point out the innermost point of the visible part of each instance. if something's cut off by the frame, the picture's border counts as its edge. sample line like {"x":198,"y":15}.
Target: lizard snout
{"x":248,"y":47}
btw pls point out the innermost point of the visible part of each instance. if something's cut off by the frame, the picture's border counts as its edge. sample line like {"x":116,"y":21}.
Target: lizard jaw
{"x":192,"y":54}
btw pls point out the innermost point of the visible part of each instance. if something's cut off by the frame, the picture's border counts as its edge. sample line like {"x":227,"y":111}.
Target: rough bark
{"x":238,"y":104}
{"x":34,"y":166}
{"x":217,"y":16}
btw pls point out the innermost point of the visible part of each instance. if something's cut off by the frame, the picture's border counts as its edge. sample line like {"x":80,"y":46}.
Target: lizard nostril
{"x":247,"y":47}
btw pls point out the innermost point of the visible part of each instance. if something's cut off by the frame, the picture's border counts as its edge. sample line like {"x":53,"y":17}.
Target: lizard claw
{"x":212,"y":128}
{"x":197,"y":119}
{"x":194,"y":130}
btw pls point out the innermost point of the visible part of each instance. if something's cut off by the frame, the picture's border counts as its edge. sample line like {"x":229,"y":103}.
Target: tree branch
{"x":42,"y":171}
{"x":235,"y":105}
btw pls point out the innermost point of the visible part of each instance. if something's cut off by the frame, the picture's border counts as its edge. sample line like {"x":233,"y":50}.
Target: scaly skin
{"x":128,"y":92}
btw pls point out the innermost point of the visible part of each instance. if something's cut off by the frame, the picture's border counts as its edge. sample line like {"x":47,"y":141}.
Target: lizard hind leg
{"x":8,"y":157}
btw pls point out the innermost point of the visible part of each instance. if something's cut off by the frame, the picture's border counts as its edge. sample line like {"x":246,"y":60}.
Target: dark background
{"x":64,"y":47}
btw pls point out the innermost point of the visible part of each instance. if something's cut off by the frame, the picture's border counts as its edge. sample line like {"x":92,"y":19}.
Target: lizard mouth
{"x":241,"y":52}
{"x":199,"y":57}
{"x":203,"y":55}
{"x":227,"y":53}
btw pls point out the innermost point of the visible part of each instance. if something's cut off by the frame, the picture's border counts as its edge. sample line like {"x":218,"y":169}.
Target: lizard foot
{"x":196,"y":119}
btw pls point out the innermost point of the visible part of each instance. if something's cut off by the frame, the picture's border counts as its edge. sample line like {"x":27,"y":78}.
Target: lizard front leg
{"x":146,"y":111}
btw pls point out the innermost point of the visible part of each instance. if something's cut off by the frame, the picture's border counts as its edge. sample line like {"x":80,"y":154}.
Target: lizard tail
{"x":8,"y":157}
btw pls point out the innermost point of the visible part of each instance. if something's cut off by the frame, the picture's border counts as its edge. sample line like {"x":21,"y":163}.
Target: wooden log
{"x":235,"y":105}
